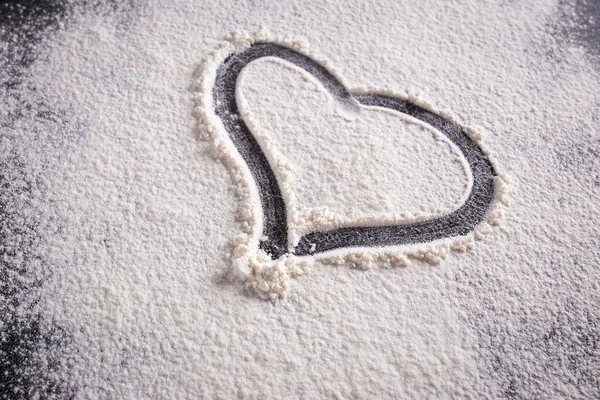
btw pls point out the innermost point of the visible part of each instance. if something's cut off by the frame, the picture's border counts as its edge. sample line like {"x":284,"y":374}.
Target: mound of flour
{"x":118,"y":220}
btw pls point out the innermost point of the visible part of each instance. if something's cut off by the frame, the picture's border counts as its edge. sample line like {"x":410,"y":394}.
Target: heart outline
{"x":459,"y":222}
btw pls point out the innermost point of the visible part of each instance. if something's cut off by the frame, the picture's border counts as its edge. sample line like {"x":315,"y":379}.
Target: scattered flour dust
{"x":272,"y":277}
{"x":119,"y":220}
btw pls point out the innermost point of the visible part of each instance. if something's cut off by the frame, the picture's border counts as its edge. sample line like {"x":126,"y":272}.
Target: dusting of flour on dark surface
{"x":560,"y":334}
{"x":29,"y":345}
{"x":578,"y":21}
{"x":515,"y":318}
{"x":32,"y":347}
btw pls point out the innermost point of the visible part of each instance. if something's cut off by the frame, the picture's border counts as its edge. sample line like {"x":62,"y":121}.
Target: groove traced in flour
{"x":458,"y":223}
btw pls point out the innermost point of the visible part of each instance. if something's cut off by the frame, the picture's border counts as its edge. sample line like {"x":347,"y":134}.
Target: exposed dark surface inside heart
{"x":459,"y":222}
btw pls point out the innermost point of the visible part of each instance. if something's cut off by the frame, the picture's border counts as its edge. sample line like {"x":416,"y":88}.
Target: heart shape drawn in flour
{"x":218,"y":108}
{"x":266,"y":255}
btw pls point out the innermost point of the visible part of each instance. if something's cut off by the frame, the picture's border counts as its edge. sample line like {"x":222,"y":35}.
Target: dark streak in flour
{"x":457,"y":223}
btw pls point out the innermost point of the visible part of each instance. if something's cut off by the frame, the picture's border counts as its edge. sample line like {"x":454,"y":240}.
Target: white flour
{"x":137,"y":216}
